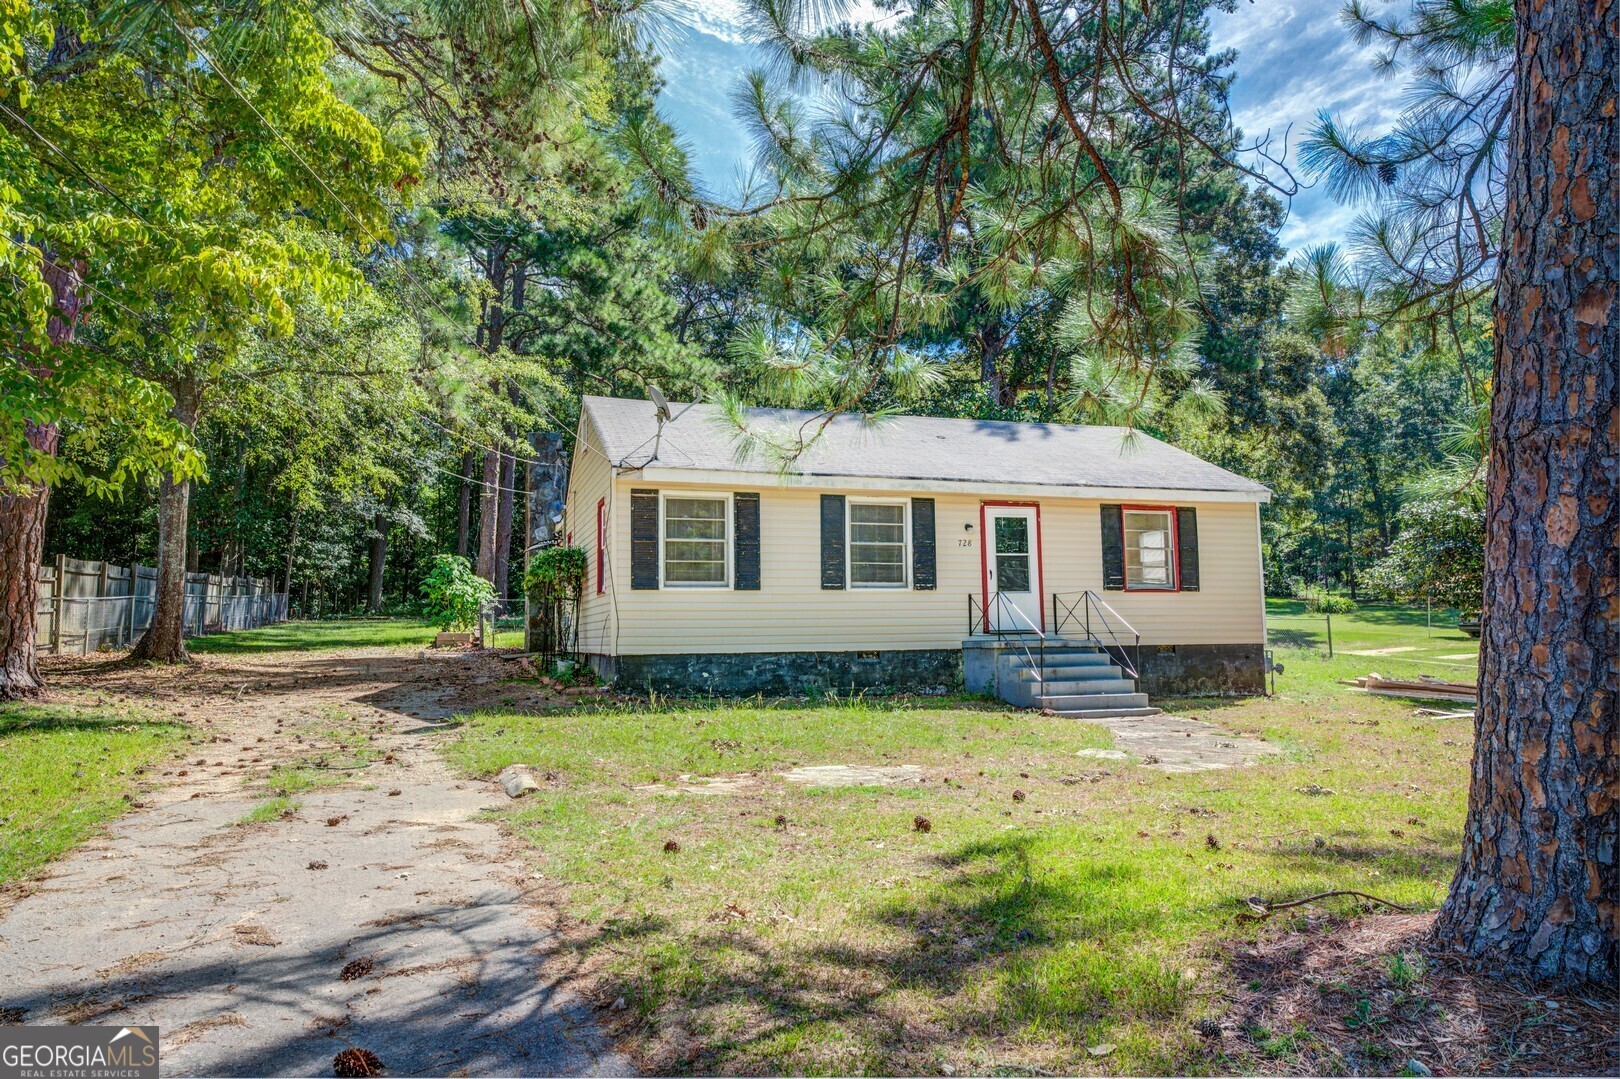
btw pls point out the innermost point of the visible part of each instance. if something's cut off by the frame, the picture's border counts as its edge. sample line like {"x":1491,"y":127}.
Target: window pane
{"x":709,"y":509}
{"x":1012,"y":535}
{"x":695,"y":572}
{"x":1149,"y":562}
{"x":695,"y":541}
{"x":864,"y":533}
{"x":695,"y":551}
{"x":877,"y":572}
{"x":688,"y":529}
{"x":877,"y":513}
{"x":1012,"y":573}
{"x":877,"y":543}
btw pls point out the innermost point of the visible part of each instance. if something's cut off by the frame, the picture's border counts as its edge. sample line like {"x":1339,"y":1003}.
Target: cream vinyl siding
{"x":590,"y":479}
{"x":791,"y":611}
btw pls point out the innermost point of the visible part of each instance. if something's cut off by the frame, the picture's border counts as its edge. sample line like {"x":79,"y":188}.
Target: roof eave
{"x":654,"y":473}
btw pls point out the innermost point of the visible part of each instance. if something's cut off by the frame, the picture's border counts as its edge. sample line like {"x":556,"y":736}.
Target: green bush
{"x":1319,"y":600}
{"x":555,"y":575}
{"x":452,"y":595}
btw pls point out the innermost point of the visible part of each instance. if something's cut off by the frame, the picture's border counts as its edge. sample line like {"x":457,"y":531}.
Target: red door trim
{"x":984,"y":559}
{"x":1175,"y":545}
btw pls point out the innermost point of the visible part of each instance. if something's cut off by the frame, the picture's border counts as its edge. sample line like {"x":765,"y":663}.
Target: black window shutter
{"x":922,"y":544}
{"x":745,"y":515}
{"x":643,"y":539}
{"x":1187,"y":548}
{"x":1113,"y":549}
{"x":832,"y":541}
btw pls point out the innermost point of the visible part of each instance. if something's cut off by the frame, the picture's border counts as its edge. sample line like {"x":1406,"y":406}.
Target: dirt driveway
{"x":381,"y":913}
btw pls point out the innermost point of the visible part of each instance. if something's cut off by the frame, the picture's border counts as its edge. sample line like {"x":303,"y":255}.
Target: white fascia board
{"x":721,"y":477}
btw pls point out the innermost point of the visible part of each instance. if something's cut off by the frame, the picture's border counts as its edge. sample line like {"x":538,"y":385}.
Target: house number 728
{"x":964,"y":543}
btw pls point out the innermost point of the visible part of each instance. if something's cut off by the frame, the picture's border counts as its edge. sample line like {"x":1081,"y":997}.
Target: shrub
{"x":553,"y":581}
{"x":452,"y":595}
{"x":1319,"y":600}
{"x":555,"y":575}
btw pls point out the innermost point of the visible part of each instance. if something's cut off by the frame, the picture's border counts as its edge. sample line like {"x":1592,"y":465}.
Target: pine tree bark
{"x":485,"y":566}
{"x":1538,"y":888}
{"x":503,"y":528}
{"x":469,"y":461}
{"x":23,"y":510}
{"x":165,"y":640}
{"x":379,"y":554}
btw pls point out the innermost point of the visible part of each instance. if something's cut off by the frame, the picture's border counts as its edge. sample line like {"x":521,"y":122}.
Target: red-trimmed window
{"x":601,"y":546}
{"x":1150,"y":549}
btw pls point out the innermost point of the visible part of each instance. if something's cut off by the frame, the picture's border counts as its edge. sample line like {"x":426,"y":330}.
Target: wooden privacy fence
{"x":85,"y":606}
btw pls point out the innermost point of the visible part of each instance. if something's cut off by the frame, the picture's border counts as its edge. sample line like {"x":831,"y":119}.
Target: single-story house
{"x":1054,"y":564}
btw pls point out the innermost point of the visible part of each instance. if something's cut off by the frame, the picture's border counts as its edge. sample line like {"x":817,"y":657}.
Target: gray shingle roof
{"x":924,"y":448}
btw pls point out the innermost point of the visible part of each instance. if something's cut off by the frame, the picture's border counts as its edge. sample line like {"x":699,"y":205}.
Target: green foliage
{"x":1439,"y":555}
{"x":555,"y":575}
{"x":1319,"y":600}
{"x":452,"y":595}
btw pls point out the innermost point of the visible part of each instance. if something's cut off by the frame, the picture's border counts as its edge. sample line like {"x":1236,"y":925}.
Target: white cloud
{"x":1295,"y":57}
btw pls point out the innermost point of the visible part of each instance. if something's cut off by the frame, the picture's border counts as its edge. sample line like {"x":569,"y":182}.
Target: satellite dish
{"x":660,"y":402}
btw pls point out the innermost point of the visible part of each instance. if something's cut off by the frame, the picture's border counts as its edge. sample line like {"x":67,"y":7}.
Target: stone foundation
{"x":1180,"y":670}
{"x":785,"y":674}
{"x":1202,"y":670}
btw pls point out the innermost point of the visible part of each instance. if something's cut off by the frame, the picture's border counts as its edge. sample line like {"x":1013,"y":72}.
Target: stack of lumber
{"x":1430,"y":689}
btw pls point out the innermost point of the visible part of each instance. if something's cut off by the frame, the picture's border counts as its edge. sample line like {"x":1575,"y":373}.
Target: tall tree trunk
{"x":486,"y":516}
{"x":469,"y":461}
{"x":164,"y":640}
{"x":23,"y":511}
{"x":22,"y":544}
{"x":503,"y":529}
{"x":992,"y":343}
{"x":379,"y":553}
{"x":1538,"y":890}
{"x":292,"y":548}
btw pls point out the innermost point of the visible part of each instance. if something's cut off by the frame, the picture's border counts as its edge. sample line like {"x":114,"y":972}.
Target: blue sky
{"x":1294,"y":57}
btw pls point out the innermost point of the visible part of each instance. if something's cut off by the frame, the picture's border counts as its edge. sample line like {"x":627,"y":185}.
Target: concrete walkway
{"x":1178,"y":744}
{"x":382,"y":914}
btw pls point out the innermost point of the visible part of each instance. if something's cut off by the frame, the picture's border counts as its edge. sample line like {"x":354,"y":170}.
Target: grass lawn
{"x":1058,"y":912}
{"x":333,"y":634}
{"x":69,"y":768}
{"x":1394,"y":641}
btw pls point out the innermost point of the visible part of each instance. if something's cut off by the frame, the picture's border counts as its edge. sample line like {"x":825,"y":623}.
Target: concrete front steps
{"x":1075,"y":680}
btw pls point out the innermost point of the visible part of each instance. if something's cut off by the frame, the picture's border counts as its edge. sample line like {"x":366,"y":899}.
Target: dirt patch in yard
{"x":1372,"y":996}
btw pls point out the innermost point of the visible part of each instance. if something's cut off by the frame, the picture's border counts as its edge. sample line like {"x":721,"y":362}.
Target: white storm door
{"x":1012,"y":568}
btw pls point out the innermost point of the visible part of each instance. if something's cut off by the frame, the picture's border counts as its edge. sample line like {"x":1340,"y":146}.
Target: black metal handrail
{"x":1081,"y":610}
{"x":1001,"y":606}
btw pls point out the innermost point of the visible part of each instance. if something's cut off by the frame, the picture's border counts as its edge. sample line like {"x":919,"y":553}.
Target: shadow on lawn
{"x":1014,"y":944}
{"x":1295,"y":638}
{"x":30,"y":718}
{"x":995,"y":921}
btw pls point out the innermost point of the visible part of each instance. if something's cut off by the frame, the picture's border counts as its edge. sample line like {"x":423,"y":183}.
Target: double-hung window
{"x":1150,"y":550}
{"x":696,"y":541}
{"x":601,"y":546}
{"x":877,"y":544}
